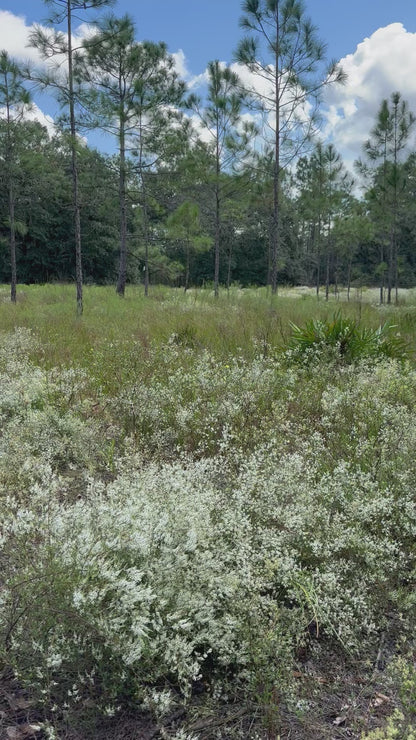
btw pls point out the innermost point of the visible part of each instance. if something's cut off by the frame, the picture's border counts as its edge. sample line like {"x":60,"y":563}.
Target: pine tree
{"x":388,"y":139}
{"x":15,"y":99}
{"x":52,"y":43}
{"x":282,"y":49}
{"x":221,"y":117}
{"x":131,"y":85}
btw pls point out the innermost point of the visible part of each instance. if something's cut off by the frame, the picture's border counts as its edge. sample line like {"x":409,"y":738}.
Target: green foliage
{"x":395,"y":730}
{"x":401,"y":724}
{"x":346,"y":339}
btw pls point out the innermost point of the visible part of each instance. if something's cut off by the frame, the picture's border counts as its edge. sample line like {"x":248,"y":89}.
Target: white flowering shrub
{"x":44,"y":419}
{"x":196,"y":407}
{"x":152,"y":578}
{"x":198,"y":524}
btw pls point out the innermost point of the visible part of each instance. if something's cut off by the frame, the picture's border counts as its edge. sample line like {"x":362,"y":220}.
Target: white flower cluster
{"x":274,"y":504}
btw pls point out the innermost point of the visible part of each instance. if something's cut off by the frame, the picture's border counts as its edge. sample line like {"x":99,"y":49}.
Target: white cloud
{"x":36,"y":114}
{"x":14,"y":37}
{"x":193,"y":81}
{"x":196,"y":82}
{"x":180,"y":64}
{"x":381,"y":64}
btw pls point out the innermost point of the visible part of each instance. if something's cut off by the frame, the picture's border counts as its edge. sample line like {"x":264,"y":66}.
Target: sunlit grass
{"x":229,"y":324}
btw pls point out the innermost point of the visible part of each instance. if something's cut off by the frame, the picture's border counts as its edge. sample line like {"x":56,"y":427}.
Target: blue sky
{"x":208,"y":29}
{"x":375,"y":40}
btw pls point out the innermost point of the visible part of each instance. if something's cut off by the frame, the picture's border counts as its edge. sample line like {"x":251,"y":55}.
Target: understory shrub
{"x":200,"y":406}
{"x":345,"y":339}
{"x":252,"y":509}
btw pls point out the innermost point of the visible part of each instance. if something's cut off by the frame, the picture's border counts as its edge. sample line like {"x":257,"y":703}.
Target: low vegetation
{"x":208,"y":516}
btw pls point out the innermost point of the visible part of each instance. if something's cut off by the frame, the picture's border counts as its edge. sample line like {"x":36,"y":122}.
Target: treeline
{"x":195,"y":193}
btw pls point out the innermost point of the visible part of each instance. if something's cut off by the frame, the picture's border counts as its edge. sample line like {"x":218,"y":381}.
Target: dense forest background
{"x":233,"y":187}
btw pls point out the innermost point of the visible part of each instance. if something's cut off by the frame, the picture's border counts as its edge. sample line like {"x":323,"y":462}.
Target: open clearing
{"x":207,"y":524}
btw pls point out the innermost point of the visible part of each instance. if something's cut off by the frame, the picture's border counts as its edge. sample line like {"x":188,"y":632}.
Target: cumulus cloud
{"x":14,"y":37}
{"x":198,"y":82}
{"x":180,"y":64}
{"x":381,"y":64}
{"x":36,"y":114}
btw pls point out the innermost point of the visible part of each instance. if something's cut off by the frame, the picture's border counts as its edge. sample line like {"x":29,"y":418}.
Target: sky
{"x":375,"y":40}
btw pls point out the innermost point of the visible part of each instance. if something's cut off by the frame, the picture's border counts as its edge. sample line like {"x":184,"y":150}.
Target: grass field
{"x":207,"y":516}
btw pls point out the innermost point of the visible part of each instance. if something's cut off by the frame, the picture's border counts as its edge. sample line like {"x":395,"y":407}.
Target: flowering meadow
{"x":207,"y":519}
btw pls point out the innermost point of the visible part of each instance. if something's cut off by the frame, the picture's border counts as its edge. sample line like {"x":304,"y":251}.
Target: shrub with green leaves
{"x":345,"y":339}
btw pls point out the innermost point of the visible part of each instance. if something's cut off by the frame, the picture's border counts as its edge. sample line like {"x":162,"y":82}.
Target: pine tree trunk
{"x":381,"y":276}
{"x":146,"y":239}
{"x":9,"y":169}
{"x":336,"y":278}
{"x":230,"y":253}
{"x":217,"y":220}
{"x":390,"y":270}
{"x":187,"y":268}
{"x":122,"y":275}
{"x":318,"y":258}
{"x":74,"y":168}
{"x":318,"y":274}
{"x":276,"y":177}
{"x":349,"y":279}
{"x":396,"y":275}
{"x":327,"y":277}
{"x":13,"y":281}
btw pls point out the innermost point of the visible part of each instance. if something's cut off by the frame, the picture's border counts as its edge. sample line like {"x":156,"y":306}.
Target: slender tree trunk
{"x":396,"y":273}
{"x":327,"y":276}
{"x":122,"y":275}
{"x":336,"y":278}
{"x":146,"y":250}
{"x":9,"y":163}
{"x":269,"y":255}
{"x":230,"y":254}
{"x":381,"y":276}
{"x":217,"y":219}
{"x":187,"y":267}
{"x":276,"y":177}
{"x":13,"y":282}
{"x":395,"y":269}
{"x":328,"y":257}
{"x":146,"y":239}
{"x":217,"y":246}
{"x":74,"y":168}
{"x":318,"y":269}
{"x":396,"y":286}
{"x":145,"y":214}
{"x":390,"y":269}
{"x":318,"y":273}
{"x":310,"y":241}
{"x":349,"y":279}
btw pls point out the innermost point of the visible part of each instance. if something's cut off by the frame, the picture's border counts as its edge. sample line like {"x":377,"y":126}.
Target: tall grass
{"x":223,"y":326}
